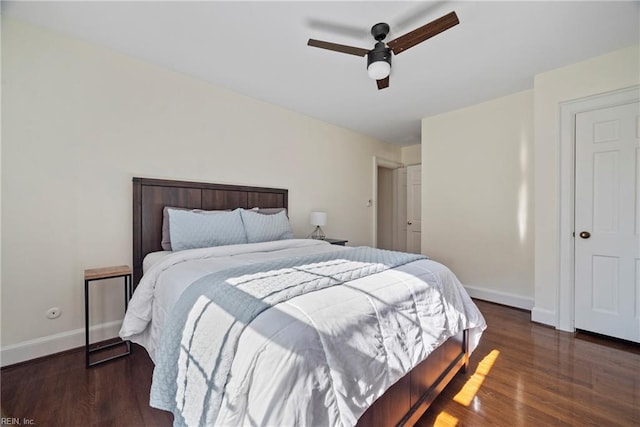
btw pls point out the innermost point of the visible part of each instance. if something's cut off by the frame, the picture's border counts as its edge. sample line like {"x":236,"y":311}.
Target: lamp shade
{"x":318,"y":218}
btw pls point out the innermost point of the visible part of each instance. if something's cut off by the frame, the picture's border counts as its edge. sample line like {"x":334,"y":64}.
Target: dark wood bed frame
{"x":403,"y":403}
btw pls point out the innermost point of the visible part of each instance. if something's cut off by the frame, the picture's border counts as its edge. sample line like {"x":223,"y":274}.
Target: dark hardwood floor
{"x":526,"y":374}
{"x":522,"y":374}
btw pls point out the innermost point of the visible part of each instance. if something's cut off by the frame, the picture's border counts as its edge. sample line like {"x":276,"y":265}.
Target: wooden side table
{"x":101,"y":274}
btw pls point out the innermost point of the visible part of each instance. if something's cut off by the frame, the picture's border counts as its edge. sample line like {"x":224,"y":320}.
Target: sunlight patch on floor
{"x":473,"y":384}
{"x":445,"y":420}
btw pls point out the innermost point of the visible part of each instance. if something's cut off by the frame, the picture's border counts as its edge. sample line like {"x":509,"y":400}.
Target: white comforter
{"x":320,"y":358}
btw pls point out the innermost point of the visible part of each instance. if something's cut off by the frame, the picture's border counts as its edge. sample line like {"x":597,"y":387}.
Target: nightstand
{"x":102,"y":274}
{"x":338,"y":242}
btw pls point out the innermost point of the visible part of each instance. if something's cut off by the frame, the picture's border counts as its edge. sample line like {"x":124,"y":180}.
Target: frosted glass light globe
{"x":379,"y":70}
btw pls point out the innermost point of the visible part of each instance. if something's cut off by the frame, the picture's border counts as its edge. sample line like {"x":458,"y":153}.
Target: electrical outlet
{"x":54,"y":313}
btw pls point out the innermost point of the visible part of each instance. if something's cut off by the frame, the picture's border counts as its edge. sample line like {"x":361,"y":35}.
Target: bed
{"x":398,"y":399}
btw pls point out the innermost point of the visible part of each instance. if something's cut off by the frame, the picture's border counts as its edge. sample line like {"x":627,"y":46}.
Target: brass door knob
{"x":585,"y":234}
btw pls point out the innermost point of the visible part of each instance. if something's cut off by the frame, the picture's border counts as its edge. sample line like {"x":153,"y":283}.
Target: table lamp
{"x":318,"y":219}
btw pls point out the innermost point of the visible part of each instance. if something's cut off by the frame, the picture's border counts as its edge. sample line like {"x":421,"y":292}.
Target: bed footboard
{"x":404,"y":403}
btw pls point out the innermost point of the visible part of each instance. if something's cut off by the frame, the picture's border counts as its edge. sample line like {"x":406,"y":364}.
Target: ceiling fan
{"x":379,"y":58}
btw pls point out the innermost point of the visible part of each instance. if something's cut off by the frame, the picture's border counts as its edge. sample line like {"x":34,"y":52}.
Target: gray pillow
{"x":166,"y":235}
{"x":190,"y":229}
{"x":269,"y":211}
{"x":265,"y":228}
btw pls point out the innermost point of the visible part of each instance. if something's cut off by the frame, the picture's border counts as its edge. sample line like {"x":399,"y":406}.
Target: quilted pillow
{"x":166,"y":235}
{"x":192,"y":229}
{"x":269,"y":211}
{"x":266,"y":228}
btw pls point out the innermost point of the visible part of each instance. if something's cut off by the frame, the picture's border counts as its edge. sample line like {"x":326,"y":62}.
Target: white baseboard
{"x":31,"y":349}
{"x":504,"y":298}
{"x":544,"y":316}
{"x":27,"y":350}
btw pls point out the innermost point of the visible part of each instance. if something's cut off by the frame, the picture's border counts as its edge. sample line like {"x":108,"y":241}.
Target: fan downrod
{"x":380,"y":31}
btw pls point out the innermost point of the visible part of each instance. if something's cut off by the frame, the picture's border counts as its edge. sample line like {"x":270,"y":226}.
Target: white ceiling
{"x":259,"y":49}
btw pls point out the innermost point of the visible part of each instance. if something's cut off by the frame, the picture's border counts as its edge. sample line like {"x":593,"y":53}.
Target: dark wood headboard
{"x":150,"y":196}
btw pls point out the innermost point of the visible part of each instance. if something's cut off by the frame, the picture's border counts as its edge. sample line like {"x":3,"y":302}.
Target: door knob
{"x":585,"y":234}
{"x":409,"y":223}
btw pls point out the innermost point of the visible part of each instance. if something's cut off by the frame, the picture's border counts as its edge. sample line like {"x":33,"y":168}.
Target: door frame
{"x":568,"y":110}
{"x":373,"y":202}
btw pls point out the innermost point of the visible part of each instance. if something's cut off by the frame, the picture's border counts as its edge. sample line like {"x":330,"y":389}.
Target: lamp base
{"x":318,"y":234}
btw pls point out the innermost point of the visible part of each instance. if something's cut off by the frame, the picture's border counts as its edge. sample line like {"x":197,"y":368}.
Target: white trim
{"x":386,"y":163}
{"x":540,"y":315}
{"x":568,"y":110}
{"x":504,"y":298}
{"x":31,"y":349}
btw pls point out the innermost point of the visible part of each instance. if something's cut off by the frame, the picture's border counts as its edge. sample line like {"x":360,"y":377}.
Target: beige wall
{"x":599,"y":75}
{"x":79,"y":121}
{"x":491,"y":190}
{"x":412,"y":155}
{"x":477,"y":190}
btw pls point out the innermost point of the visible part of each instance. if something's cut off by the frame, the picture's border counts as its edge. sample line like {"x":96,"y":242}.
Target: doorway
{"x":385,"y":208}
{"x":577,"y":291}
{"x":389,"y":207}
{"x":397,"y":206}
{"x":414,"y":209}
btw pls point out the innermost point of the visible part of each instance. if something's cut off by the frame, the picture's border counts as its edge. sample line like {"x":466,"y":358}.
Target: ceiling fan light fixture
{"x":379,"y":70}
{"x":379,"y":62}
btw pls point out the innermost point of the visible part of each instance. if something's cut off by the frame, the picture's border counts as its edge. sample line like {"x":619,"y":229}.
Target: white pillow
{"x":265,"y":228}
{"x":190,"y":229}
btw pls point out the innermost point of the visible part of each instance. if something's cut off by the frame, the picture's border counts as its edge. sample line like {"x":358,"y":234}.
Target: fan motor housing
{"x":379,"y":53}
{"x":380,"y":31}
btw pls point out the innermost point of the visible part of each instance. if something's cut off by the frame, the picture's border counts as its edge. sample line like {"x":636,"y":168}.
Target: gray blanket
{"x":220,"y":305}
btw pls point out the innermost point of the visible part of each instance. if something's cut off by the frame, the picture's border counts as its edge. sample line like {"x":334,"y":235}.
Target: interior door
{"x":414,"y":209}
{"x":607,"y":222}
{"x":400,"y":209}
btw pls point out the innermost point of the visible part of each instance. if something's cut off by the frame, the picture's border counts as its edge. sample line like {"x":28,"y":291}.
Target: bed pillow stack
{"x":266,"y":227}
{"x":191,"y":229}
{"x":166,"y":235}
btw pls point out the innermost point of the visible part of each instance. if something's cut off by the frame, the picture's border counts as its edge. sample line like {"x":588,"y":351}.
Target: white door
{"x":607,"y":222}
{"x":414,"y":209}
{"x":400,"y":209}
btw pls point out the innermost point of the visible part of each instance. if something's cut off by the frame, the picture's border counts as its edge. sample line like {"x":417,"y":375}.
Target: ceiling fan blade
{"x":338,"y":47}
{"x":346,"y":30}
{"x":383,"y":83}
{"x":423,"y":33}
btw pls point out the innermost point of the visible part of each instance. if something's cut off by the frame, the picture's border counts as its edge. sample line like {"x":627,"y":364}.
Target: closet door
{"x":414,"y":209}
{"x":607,"y":221}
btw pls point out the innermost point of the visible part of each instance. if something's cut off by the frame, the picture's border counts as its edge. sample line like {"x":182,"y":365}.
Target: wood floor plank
{"x":541,"y":377}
